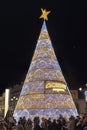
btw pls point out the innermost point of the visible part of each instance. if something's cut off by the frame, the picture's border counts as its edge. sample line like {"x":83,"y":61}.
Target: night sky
{"x":19,"y":31}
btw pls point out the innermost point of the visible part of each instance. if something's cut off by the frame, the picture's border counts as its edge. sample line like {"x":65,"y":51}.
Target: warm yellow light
{"x":55,"y":86}
{"x":11,"y":99}
{"x":16,"y":99}
{"x":80,"y":89}
{"x":58,"y":90}
{"x":44,"y":14}
{"x":7,"y":93}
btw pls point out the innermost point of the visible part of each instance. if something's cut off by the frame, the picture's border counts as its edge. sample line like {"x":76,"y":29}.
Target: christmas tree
{"x":45,"y":92}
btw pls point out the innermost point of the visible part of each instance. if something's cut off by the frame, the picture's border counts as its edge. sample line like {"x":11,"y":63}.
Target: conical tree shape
{"x":45,"y":92}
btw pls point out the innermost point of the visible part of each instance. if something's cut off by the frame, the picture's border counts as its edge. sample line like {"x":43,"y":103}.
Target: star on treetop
{"x":44,"y":14}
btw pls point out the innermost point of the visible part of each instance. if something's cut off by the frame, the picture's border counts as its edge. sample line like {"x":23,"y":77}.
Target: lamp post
{"x":14,"y":101}
{"x":80,"y":89}
{"x":85,"y":93}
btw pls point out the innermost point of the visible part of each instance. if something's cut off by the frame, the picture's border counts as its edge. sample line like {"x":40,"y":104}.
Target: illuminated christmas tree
{"x":45,"y":92}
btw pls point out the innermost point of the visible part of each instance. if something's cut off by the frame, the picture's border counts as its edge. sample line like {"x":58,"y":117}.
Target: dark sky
{"x":19,"y":30}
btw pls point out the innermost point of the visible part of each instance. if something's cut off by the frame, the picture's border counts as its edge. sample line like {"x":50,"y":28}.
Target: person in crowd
{"x":20,"y":126}
{"x":71,"y":123}
{"x":36,"y":124}
{"x":44,"y":124}
{"x":59,"y":124}
{"x":2,"y":126}
{"x":28,"y":125}
{"x":14,"y":127}
{"x":78,"y":125}
{"x":54,"y":125}
{"x":84,"y":123}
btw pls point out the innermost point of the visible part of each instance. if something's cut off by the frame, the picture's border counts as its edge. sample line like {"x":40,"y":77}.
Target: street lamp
{"x":14,"y":101}
{"x":80,"y":89}
{"x":85,"y":92}
{"x":85,"y":95}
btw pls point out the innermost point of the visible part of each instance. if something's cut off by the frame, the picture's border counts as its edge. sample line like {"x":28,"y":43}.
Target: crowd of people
{"x":73,"y":123}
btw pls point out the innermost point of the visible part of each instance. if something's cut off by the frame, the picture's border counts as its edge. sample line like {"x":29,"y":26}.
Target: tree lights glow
{"x":55,"y":86}
{"x":45,"y":91}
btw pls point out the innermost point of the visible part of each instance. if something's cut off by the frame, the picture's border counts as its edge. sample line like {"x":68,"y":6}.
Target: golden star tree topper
{"x":44,"y":14}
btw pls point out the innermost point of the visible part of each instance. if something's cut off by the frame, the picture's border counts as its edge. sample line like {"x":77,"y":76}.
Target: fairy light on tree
{"x":45,"y":91}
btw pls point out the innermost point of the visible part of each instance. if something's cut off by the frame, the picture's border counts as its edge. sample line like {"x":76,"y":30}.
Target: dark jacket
{"x":37,"y":128}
